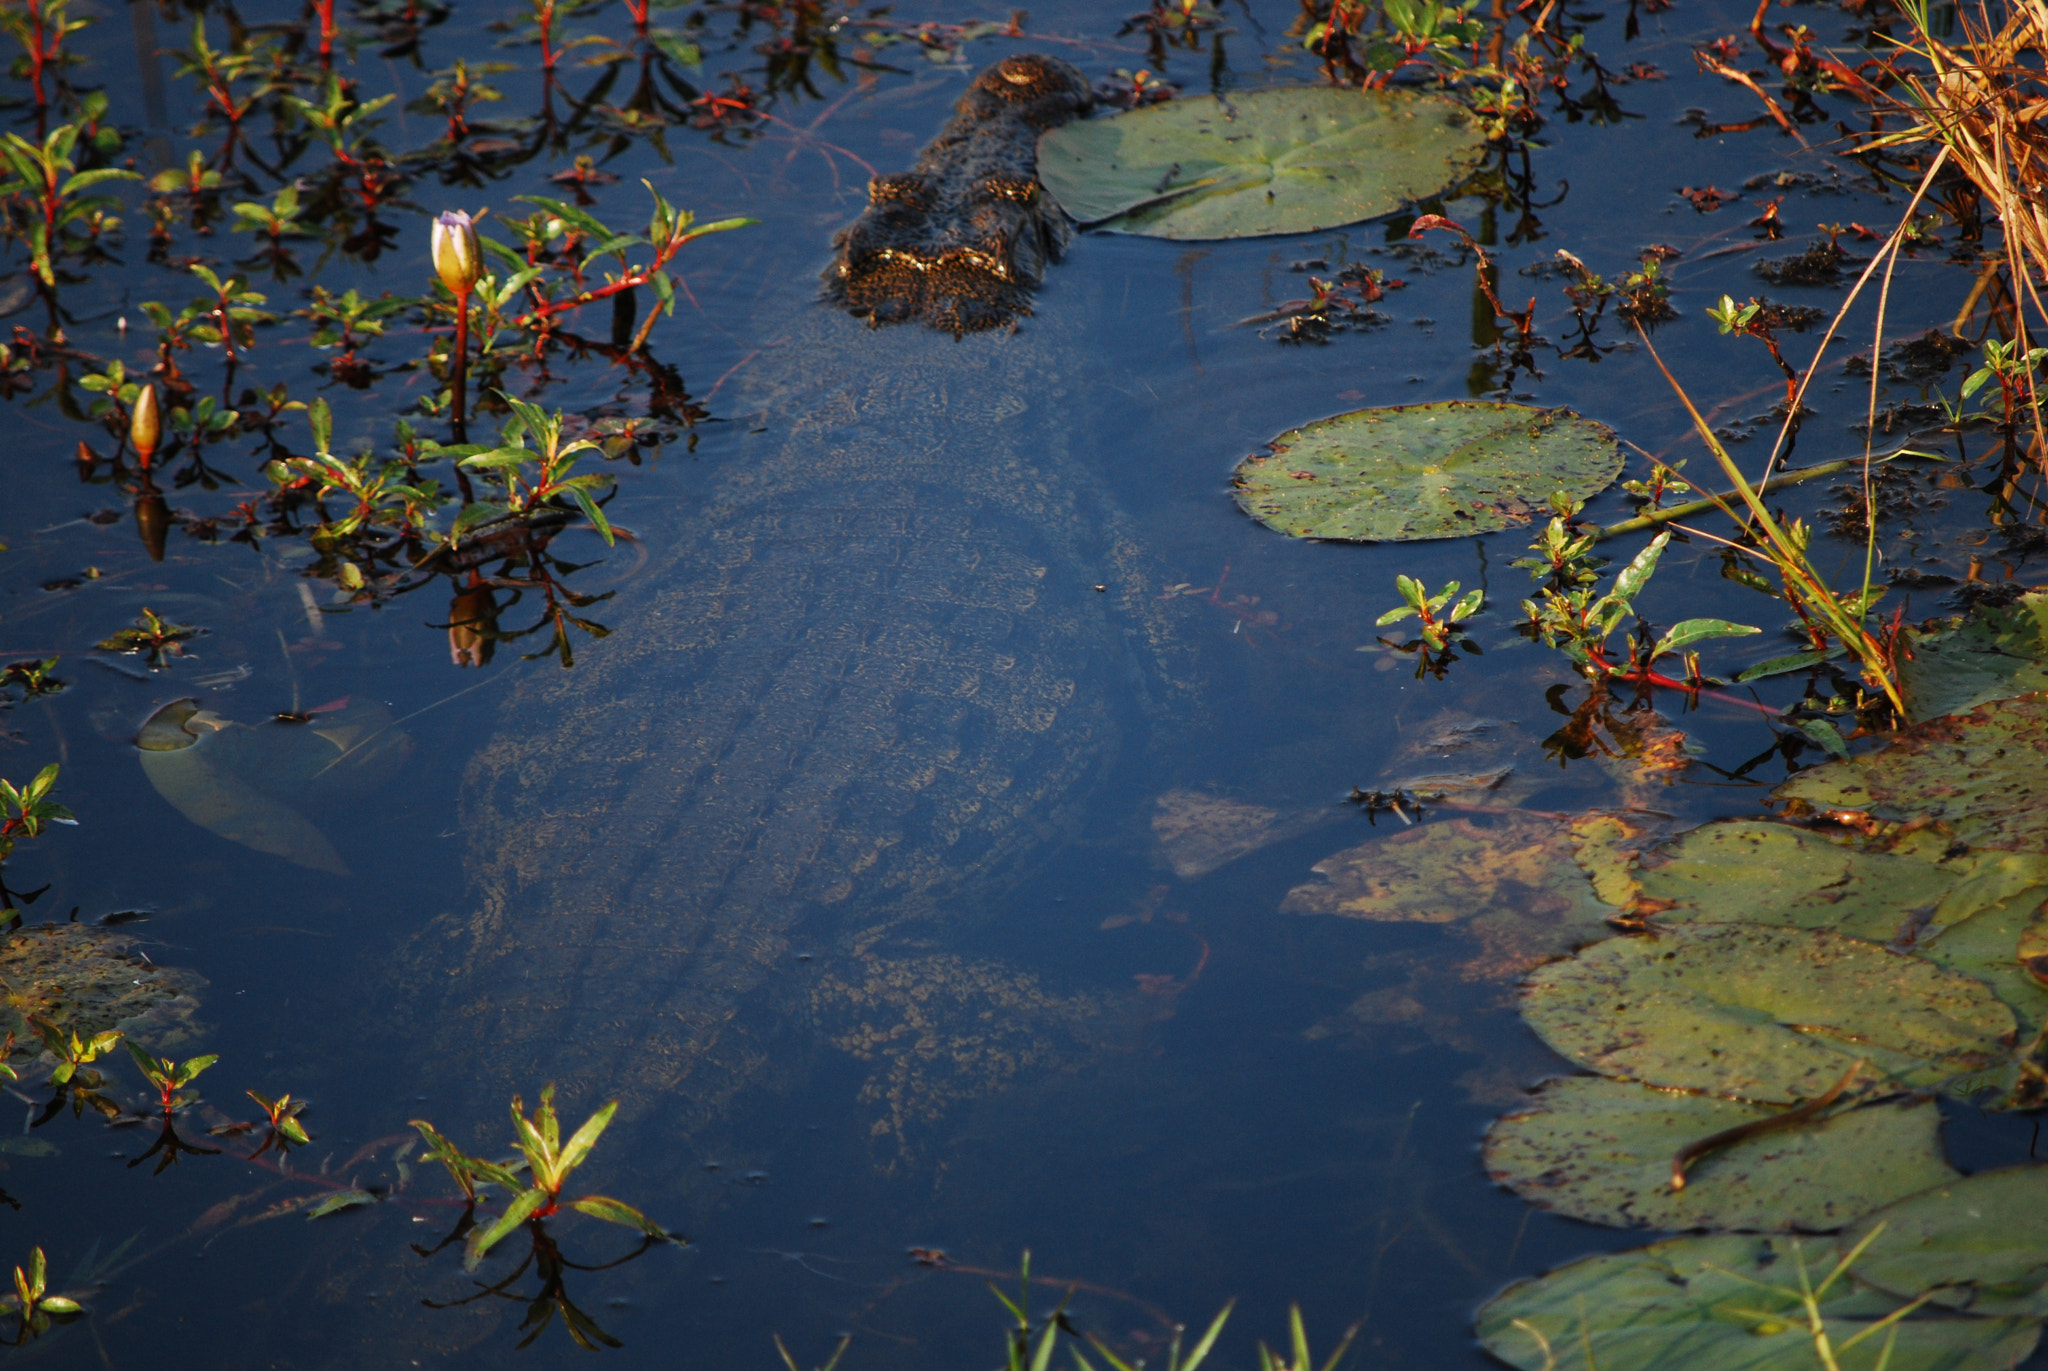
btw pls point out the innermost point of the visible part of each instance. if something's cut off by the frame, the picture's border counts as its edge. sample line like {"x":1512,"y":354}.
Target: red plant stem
{"x":37,"y":52}
{"x":326,"y":12}
{"x":458,"y":368}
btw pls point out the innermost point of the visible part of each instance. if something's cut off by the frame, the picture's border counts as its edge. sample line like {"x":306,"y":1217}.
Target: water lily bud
{"x":458,"y":256}
{"x":145,"y":427}
{"x":472,"y":624}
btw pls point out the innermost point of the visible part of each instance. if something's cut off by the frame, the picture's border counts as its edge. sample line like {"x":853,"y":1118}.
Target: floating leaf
{"x":1770,"y":1015}
{"x":1983,"y":775}
{"x":335,"y":1203}
{"x":1991,"y":654}
{"x":88,"y":980}
{"x":1455,"y":869}
{"x":1756,"y":871}
{"x":1723,"y":1303}
{"x":1983,"y":1242}
{"x":1443,"y":470}
{"x":1286,"y":159}
{"x":1198,"y":833}
{"x":1601,"y":1150}
{"x":246,"y":783}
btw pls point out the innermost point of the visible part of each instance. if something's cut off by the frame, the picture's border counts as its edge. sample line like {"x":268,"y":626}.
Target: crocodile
{"x":962,"y":238}
{"x":865,"y":681}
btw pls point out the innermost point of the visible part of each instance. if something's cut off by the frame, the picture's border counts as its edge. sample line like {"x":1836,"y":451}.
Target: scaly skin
{"x":864,"y":681}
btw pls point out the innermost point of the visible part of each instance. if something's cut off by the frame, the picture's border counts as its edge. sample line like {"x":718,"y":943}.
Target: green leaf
{"x":84,"y":179}
{"x":1778,"y":666}
{"x":1637,"y":573}
{"x":1444,"y":470}
{"x":334,"y":1204}
{"x":60,"y":1304}
{"x":1686,"y":632}
{"x":1286,"y":159}
{"x":618,"y":1212}
{"x":482,"y":1240}
{"x":585,"y":1138}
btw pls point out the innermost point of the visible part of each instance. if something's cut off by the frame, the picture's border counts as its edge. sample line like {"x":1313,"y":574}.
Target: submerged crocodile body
{"x":961,"y":239}
{"x":868,"y":676}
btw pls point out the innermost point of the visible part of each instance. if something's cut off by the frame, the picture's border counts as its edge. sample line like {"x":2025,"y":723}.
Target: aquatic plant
{"x":1578,"y":620}
{"x":1296,"y":1357}
{"x":46,"y":178}
{"x":26,"y":810}
{"x":548,"y":1163}
{"x":32,"y":1305}
{"x":1438,"y":623}
{"x":459,"y":262}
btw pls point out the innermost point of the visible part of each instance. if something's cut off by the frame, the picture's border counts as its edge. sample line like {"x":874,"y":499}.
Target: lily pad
{"x":1454,"y":869}
{"x":1601,"y":1150}
{"x":1990,"y":654}
{"x":1723,"y":1303}
{"x":1286,"y":159}
{"x":1198,"y":833}
{"x":1982,"y":775}
{"x":1983,"y":1242}
{"x":1769,"y":1015}
{"x":247,"y":782}
{"x":1407,"y":472}
{"x":1755,"y":871}
{"x":88,"y":980}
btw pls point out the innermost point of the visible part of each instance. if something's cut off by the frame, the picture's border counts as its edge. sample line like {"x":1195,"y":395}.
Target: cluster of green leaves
{"x":547,"y":1161}
{"x":32,"y":1305}
{"x":47,"y":204}
{"x":1574,"y":616}
{"x":25,"y":811}
{"x":151,"y":636}
{"x":2015,"y":370}
{"x":530,"y":479}
{"x":1438,"y":622}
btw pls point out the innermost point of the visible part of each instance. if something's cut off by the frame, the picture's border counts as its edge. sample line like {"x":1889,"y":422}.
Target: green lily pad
{"x":1286,"y":159}
{"x":1443,"y":470}
{"x":248,"y":782}
{"x":1982,"y":775}
{"x":1601,"y":1150}
{"x":1983,"y":1242}
{"x":1723,"y":1303}
{"x":1769,"y":1015}
{"x":1989,"y":654}
{"x":1756,"y":871}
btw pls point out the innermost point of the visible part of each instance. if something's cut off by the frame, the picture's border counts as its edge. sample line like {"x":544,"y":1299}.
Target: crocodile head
{"x":961,"y":239}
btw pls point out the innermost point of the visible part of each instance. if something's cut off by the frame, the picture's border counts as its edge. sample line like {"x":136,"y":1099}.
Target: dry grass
{"x":1983,"y":96}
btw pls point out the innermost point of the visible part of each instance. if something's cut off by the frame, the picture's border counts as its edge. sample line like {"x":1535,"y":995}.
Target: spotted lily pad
{"x":1454,"y":869}
{"x":1983,"y":775}
{"x":1983,"y":1242}
{"x":1765,"y":1014}
{"x":88,"y":980}
{"x":1755,"y":871}
{"x":1601,"y":1150}
{"x":1989,"y":654}
{"x":1442,"y":470}
{"x":1724,"y":1303}
{"x":1286,"y":159}
{"x":248,"y":783}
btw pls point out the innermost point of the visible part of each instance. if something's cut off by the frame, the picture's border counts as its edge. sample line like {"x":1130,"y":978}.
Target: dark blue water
{"x":1295,"y":1118}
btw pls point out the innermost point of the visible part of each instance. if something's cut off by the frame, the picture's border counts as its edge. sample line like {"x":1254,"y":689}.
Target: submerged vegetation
{"x":1768,"y":1012}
